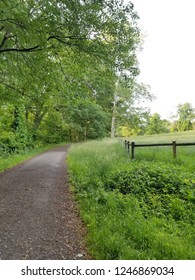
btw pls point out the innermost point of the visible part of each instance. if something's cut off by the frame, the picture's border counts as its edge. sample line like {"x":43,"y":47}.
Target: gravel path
{"x":38,"y":217}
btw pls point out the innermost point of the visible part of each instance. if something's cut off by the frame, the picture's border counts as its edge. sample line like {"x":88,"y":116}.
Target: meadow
{"x":186,"y":136}
{"x":136,"y":209}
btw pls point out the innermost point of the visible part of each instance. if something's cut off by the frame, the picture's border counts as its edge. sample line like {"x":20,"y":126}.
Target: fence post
{"x":132,"y":150}
{"x":174,"y":149}
{"x":128,"y":145}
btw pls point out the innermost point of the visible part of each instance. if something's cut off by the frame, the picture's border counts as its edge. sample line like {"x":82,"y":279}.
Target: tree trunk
{"x":114,"y":111}
{"x":113,"y":122}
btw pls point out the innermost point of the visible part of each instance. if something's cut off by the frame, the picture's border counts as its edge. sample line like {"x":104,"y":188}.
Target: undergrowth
{"x":140,"y":209}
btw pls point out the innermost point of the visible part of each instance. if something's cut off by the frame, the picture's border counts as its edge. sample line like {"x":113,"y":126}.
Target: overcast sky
{"x":167,"y":62}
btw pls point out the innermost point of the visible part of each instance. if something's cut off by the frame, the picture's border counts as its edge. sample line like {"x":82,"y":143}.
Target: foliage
{"x":163,"y":190}
{"x":131,"y":118}
{"x":14,"y":136}
{"x":53,"y":122}
{"x":186,"y":116}
{"x":137,"y":123}
{"x":156,"y":125}
{"x":55,"y":55}
{"x":87,"y":121}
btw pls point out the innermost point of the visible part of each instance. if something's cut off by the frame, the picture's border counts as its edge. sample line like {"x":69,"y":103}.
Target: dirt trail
{"x":38,"y":219}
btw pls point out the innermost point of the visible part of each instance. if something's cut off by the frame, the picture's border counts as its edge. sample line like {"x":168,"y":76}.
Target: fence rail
{"x":132,"y":145}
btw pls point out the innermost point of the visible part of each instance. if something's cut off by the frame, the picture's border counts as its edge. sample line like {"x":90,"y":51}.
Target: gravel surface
{"x":38,"y":216}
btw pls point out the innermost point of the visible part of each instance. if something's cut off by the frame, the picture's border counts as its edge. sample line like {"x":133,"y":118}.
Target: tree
{"x":56,"y":54}
{"x":130,"y":116}
{"x":136,"y":124}
{"x":156,"y":125}
{"x":186,"y":116}
{"x":86,"y":120}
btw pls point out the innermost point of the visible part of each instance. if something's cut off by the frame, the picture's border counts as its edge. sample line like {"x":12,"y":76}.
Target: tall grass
{"x":95,"y":160}
{"x":133,"y":225}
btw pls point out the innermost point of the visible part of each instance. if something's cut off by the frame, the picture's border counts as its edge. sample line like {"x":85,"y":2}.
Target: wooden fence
{"x":132,"y":145}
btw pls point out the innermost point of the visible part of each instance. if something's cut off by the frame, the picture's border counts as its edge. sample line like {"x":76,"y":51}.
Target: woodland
{"x":67,"y":68}
{"x":68,"y":72}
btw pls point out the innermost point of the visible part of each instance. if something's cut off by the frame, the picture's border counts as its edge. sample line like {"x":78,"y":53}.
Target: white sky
{"x":167,"y":61}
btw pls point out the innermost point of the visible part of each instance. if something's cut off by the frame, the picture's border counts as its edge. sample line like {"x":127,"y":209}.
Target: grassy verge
{"x":8,"y":161}
{"x":140,"y":209}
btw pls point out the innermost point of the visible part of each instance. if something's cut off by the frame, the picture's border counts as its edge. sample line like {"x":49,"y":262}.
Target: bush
{"x":161,"y":190}
{"x":14,"y":143}
{"x":144,"y":178}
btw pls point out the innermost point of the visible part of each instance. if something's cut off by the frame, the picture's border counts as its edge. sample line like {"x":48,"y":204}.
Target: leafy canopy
{"x":54,"y":53}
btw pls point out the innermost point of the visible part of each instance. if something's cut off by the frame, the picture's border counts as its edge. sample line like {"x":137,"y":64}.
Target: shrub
{"x":162,"y":190}
{"x":142,"y":178}
{"x":11,"y":142}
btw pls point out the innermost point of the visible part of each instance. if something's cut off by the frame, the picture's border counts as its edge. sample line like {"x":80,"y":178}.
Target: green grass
{"x":136,"y":216}
{"x":185,"y":155}
{"x":8,"y":161}
{"x":187,"y":136}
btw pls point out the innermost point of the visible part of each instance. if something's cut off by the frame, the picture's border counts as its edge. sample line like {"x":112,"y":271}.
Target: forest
{"x":66,"y":68}
{"x":68,"y":73}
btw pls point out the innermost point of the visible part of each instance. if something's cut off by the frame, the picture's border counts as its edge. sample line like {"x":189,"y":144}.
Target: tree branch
{"x":36,"y":48}
{"x":66,"y":37}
